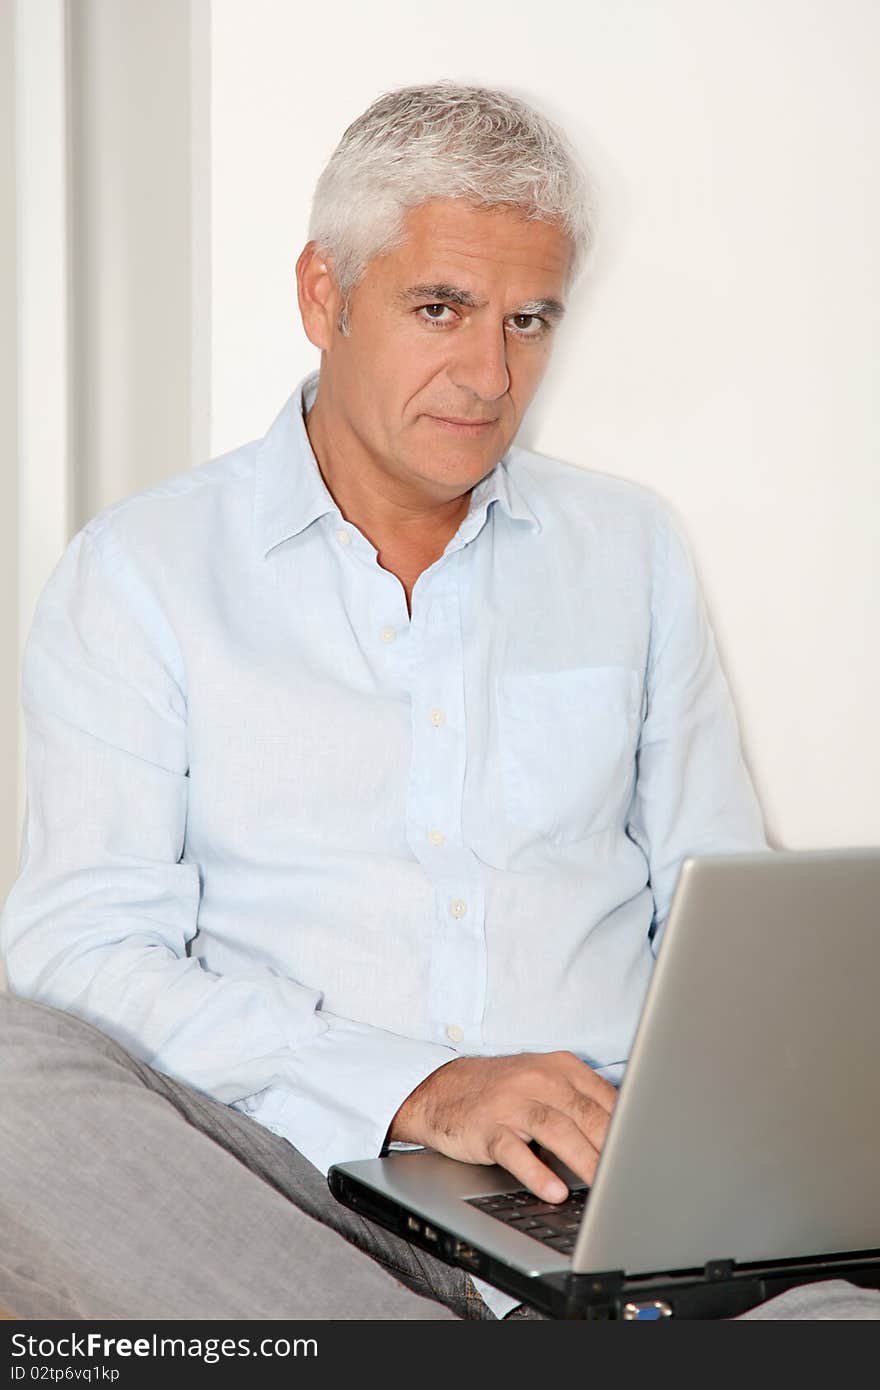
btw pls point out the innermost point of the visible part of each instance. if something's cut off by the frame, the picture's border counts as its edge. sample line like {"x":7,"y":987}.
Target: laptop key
{"x":538,"y":1208}
{"x":558,"y":1223}
{"x":563,"y":1243}
{"x":552,"y":1223}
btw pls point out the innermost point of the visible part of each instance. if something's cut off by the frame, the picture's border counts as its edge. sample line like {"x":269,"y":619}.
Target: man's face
{"x":456,"y":325}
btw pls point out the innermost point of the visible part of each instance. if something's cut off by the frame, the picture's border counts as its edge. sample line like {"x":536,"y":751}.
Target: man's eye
{"x":528,"y":325}
{"x":524,"y":325}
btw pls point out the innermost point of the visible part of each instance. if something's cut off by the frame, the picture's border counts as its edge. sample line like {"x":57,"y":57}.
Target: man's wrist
{"x":403,"y":1126}
{"x":408,"y":1125}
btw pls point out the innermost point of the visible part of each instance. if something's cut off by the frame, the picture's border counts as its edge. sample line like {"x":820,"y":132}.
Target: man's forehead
{"x":452,"y":243}
{"x":457,"y":227}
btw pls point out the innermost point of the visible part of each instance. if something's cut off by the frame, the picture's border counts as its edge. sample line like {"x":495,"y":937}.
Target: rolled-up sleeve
{"x":105,"y":906}
{"x":693,"y":793}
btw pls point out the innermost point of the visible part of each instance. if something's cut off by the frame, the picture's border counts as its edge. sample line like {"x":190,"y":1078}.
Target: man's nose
{"x":480,"y":364}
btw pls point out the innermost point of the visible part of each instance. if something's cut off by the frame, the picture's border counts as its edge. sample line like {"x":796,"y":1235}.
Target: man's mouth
{"x":465,"y":427}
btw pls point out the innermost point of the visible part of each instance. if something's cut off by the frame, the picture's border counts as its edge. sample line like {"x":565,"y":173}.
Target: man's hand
{"x":487,"y":1109}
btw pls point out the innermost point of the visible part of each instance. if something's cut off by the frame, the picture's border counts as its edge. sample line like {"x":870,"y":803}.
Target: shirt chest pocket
{"x":567,"y":742}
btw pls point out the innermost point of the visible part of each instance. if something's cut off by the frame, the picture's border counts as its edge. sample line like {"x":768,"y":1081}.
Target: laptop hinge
{"x":608,"y":1281}
{"x":593,"y":1295}
{"x":718,"y":1269}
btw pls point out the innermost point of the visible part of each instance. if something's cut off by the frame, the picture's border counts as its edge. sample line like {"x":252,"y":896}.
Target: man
{"x":362,"y":762}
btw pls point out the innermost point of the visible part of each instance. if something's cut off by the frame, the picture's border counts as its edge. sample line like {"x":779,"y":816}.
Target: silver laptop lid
{"x":748,"y":1124}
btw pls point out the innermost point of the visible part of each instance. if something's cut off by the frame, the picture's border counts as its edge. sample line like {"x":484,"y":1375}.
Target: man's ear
{"x":318,"y":294}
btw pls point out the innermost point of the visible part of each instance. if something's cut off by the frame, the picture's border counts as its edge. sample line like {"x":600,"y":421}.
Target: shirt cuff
{"x":500,"y":1303}
{"x":344,"y":1089}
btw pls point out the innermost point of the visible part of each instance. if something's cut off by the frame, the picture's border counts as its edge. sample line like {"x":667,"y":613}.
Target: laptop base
{"x":722,"y":1289}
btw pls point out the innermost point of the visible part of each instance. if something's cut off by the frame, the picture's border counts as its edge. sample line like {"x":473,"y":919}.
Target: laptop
{"x":743,"y":1155}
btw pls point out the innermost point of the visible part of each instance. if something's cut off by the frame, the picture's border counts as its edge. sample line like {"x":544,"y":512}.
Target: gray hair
{"x":443,"y":141}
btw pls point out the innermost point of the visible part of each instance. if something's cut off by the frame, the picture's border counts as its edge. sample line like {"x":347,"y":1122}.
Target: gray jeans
{"x":125,"y":1194}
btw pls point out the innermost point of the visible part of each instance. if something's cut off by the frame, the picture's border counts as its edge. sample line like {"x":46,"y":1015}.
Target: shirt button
{"x":343,"y":538}
{"x":387,"y":634}
{"x":437,"y":717}
{"x":458,"y":907}
{"x":436,"y":837}
{"x":454,"y":1033}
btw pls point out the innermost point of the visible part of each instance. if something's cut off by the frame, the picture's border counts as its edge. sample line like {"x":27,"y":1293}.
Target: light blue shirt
{"x":297,"y":849}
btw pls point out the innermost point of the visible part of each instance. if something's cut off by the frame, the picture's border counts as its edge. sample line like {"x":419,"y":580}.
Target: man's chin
{"x":454,"y":479}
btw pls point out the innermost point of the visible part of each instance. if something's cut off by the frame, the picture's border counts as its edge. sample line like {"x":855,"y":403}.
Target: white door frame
{"x":43,"y":290}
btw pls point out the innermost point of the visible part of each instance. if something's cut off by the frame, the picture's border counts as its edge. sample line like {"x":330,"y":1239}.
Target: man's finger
{"x":590,"y":1117}
{"x":560,"y":1136}
{"x":564,"y":1138}
{"x":511,"y":1152}
{"x":584,"y":1079}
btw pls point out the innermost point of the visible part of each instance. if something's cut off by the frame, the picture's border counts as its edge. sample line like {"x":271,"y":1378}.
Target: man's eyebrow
{"x":451,"y":294}
{"x":543,"y":308}
{"x":434,"y":293}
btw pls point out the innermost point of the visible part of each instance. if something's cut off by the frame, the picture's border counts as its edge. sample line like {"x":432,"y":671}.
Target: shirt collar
{"x":290,"y":492}
{"x":497,"y":486}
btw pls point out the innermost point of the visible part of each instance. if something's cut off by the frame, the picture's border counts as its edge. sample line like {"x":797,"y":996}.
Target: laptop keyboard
{"x":555,"y":1225}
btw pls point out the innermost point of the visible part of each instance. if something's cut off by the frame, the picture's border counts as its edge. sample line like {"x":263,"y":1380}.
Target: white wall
{"x":724,"y":354}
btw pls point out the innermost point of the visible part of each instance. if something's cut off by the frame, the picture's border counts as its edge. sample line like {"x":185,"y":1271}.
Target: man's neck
{"x":405,"y":523}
